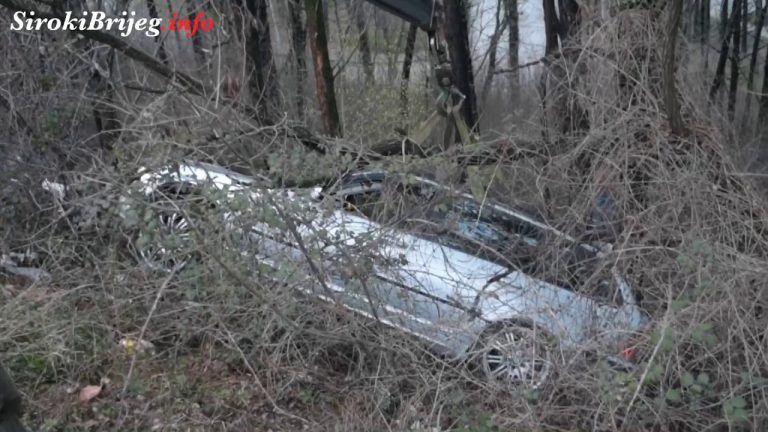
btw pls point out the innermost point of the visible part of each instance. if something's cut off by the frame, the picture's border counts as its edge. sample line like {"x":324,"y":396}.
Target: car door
{"x":438,"y":282}
{"x":372,"y":249}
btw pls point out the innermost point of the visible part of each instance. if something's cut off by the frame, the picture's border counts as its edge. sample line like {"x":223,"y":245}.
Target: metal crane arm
{"x":419,"y":12}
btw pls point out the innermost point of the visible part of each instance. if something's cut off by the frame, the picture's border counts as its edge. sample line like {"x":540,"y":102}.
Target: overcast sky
{"x":532,"y":38}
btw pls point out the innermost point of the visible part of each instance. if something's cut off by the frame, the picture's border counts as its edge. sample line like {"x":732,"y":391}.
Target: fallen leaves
{"x":90,"y":392}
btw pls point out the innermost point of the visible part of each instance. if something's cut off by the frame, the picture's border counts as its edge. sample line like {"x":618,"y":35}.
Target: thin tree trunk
{"x":410,"y":44}
{"x":393,"y":53}
{"x":734,"y":83}
{"x":318,"y":43}
{"x":763,"y":111}
{"x":744,"y":19}
{"x":263,"y":79}
{"x":105,"y":114}
{"x":457,"y":38}
{"x":705,"y":32}
{"x":299,"y":46}
{"x":722,"y":59}
{"x":760,"y":11}
{"x":161,"y":53}
{"x":493,"y":47}
{"x":670,"y":68}
{"x":364,"y":42}
{"x":690,"y":18}
{"x":724,"y":34}
{"x":551,"y":26}
{"x":197,"y":39}
{"x":513,"y":55}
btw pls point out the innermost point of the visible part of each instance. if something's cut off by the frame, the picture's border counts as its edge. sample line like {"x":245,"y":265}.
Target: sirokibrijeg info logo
{"x":126,"y":23}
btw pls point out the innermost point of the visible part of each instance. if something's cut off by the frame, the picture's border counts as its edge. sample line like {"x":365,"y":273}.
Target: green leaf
{"x":736,"y":410}
{"x":737,"y":402}
{"x":703,"y":378}
{"x":687,"y":379}
{"x":673,"y":395}
{"x":680,"y":304}
{"x":654,"y":374}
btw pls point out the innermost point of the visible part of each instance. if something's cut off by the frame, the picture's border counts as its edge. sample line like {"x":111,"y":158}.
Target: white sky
{"x":532,"y":39}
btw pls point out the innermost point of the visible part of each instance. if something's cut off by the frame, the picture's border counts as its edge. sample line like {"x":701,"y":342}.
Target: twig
{"x":516,"y":68}
{"x":20,"y":121}
{"x":152,"y":310}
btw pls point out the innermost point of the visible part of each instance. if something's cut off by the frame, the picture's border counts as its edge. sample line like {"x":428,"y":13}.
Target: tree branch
{"x":516,"y":68}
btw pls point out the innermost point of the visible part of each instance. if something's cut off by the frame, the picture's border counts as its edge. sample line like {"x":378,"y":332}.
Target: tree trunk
{"x":513,"y":55}
{"x":318,"y":43}
{"x":734,"y":83}
{"x":410,"y":44}
{"x":760,"y":10}
{"x":704,"y":21}
{"x":724,"y":20}
{"x":551,"y":26}
{"x":722,"y":59}
{"x":670,"y":68}
{"x":161,"y":53}
{"x":763,"y":114}
{"x":299,"y":47}
{"x":493,"y":47}
{"x":705,"y":32}
{"x":197,"y":39}
{"x":105,"y":114}
{"x":457,"y":38}
{"x":744,"y":19}
{"x":364,"y":42}
{"x":690,"y":18}
{"x":263,"y":79}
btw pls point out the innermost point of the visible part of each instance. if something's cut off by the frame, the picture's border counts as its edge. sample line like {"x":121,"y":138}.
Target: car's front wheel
{"x":516,"y":357}
{"x":169,"y":240}
{"x":171,"y":247}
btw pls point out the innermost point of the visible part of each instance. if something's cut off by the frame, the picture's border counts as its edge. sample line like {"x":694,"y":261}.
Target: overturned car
{"x":476,"y":280}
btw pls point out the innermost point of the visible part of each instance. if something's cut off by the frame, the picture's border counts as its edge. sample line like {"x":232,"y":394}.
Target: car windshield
{"x":484,"y":230}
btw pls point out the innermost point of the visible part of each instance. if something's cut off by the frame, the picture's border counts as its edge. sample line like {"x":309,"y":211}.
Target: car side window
{"x":387,"y":202}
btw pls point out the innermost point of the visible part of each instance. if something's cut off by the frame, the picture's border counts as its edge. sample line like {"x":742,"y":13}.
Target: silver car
{"x":475,"y":279}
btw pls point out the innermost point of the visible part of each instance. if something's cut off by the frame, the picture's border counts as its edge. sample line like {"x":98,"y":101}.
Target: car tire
{"x":175,"y":218}
{"x":515,"y":357}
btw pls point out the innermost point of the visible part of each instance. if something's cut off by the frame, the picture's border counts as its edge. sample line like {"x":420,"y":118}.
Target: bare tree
{"x":551,"y":25}
{"x":358,"y":13}
{"x":561,"y":108}
{"x":744,"y":22}
{"x":105,"y":115}
{"x":735,"y":58}
{"x":724,"y":20}
{"x":299,"y":47}
{"x":670,"y":68}
{"x":704,"y":16}
{"x":194,"y":7}
{"x":760,"y":10}
{"x":763,"y":114}
{"x":492,"y":52}
{"x":263,"y":79}
{"x":410,"y":45}
{"x":318,"y":43}
{"x":722,"y":59}
{"x":513,"y":54}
